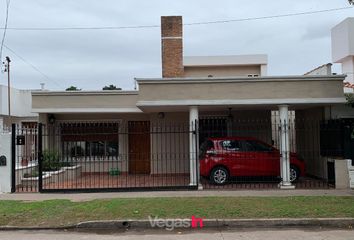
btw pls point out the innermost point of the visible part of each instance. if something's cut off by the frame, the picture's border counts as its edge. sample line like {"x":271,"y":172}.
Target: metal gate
{"x":26,"y":143}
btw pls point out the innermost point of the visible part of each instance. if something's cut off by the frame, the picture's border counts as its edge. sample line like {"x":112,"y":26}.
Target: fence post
{"x":197,"y":169}
{"x":40,"y":158}
{"x":13,"y":158}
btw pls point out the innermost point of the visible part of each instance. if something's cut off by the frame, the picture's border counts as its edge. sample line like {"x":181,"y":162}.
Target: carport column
{"x":193,"y":144}
{"x":284,"y":148}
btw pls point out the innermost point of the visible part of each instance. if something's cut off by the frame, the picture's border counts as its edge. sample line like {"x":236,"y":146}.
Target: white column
{"x":284,"y":148}
{"x":193,"y":144}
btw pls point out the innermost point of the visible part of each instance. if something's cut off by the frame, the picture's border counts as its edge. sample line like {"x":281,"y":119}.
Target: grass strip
{"x":62,"y":212}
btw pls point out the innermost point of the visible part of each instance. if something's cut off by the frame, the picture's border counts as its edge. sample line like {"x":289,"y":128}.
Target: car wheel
{"x":219,"y":176}
{"x":294,"y":173}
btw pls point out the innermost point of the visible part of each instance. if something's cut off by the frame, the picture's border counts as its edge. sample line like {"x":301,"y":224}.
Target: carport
{"x":307,"y":96}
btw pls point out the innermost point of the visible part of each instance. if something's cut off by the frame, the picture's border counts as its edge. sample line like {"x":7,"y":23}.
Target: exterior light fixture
{"x":51,"y":119}
{"x":161,"y":115}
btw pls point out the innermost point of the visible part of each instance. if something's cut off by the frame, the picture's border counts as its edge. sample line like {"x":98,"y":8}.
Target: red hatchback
{"x":223,"y":158}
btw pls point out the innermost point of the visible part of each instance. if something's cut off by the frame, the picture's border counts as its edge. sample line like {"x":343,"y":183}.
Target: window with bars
{"x":90,"y":139}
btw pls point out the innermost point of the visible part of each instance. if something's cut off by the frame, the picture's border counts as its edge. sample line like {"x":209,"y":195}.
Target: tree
{"x":111,"y":87}
{"x":72,"y":88}
{"x":351,"y":2}
{"x":350,"y":99}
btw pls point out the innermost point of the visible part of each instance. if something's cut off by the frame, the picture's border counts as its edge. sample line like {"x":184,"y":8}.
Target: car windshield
{"x":255,"y":146}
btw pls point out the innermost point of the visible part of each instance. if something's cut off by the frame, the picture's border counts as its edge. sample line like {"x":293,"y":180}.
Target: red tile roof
{"x":348,"y":85}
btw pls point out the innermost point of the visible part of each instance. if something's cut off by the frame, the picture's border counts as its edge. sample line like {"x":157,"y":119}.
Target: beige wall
{"x":221,"y":71}
{"x":82,"y":100}
{"x":239,"y":89}
{"x":170,"y":143}
{"x":246,"y":123}
{"x":170,"y":136}
{"x":169,"y":140}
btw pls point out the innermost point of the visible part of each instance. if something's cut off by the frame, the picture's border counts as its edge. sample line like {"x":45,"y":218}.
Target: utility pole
{"x":7,"y":69}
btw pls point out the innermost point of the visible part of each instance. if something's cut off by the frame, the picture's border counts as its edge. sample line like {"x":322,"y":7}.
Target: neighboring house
{"x":343,"y":50}
{"x":222,"y":93}
{"x":21,"y":107}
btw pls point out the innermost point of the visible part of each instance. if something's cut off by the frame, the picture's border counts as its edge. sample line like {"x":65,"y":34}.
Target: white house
{"x":20,"y":107}
{"x":343,"y":49}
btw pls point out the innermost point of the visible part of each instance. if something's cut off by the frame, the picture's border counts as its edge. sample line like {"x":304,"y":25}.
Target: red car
{"x":223,"y":158}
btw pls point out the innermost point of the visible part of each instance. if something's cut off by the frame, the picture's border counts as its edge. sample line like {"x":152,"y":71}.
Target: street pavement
{"x":271,"y":234}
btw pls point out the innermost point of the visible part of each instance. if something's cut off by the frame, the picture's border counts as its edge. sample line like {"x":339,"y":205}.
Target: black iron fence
{"x":104,"y":156}
{"x":245,"y":154}
{"x":222,"y":153}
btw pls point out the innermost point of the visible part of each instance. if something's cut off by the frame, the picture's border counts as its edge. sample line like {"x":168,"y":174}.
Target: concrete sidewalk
{"x":77,"y":197}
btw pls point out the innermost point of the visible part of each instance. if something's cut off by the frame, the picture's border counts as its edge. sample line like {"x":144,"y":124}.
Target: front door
{"x":139,"y":147}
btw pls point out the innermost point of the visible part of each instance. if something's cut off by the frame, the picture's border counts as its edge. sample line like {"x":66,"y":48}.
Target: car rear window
{"x":206,"y":145}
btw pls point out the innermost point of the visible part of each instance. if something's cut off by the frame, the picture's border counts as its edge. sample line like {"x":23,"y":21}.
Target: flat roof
{"x":187,"y":80}
{"x":231,"y":60}
{"x":82,"y":92}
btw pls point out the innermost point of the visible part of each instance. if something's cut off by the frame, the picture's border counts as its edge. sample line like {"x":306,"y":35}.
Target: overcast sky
{"x":91,"y":59}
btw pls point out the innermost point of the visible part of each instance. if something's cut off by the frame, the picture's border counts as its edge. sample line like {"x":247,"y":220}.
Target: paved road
{"x":283,"y":234}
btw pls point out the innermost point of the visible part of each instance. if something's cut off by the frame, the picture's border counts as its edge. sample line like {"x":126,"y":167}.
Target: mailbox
{"x":2,"y":161}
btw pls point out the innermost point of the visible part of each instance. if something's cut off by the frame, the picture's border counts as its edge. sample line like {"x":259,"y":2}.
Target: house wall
{"x":16,"y":120}
{"x":5,"y":171}
{"x":78,"y":101}
{"x":246,"y":123}
{"x":348,"y":69}
{"x":20,"y":102}
{"x":339,"y":111}
{"x":342,"y":40}
{"x":239,"y":89}
{"x":169,"y":136}
{"x":325,"y":69}
{"x":222,"y":71}
{"x":169,"y":141}
{"x":308,"y":140}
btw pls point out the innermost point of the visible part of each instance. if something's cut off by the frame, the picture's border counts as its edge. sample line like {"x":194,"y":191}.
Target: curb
{"x":208,"y":223}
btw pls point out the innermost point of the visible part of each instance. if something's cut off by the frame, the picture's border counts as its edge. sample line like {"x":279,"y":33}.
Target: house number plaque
{"x":20,"y":140}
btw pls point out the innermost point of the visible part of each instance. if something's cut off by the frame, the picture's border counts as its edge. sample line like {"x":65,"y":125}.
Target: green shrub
{"x":50,"y":161}
{"x":32,"y":174}
{"x":350,"y":99}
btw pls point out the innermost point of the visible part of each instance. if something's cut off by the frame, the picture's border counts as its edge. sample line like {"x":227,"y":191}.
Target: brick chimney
{"x":172,"y":46}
